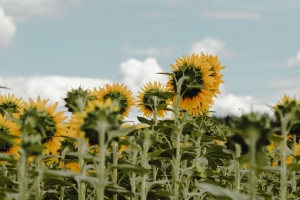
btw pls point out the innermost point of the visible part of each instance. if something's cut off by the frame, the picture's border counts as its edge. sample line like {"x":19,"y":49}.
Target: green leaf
{"x":131,"y":168}
{"x":120,"y":132}
{"x":293,"y":167}
{"x":7,"y":157}
{"x":169,"y":74}
{"x":53,"y":181}
{"x":145,"y":121}
{"x":154,"y":154}
{"x":150,"y":185}
{"x":175,"y":128}
{"x":200,"y":86}
{"x":87,"y":179}
{"x":119,"y":190}
{"x":86,"y":157}
{"x":221,"y":192}
{"x":59,"y":173}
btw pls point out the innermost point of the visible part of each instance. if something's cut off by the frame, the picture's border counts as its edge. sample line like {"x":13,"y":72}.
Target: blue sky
{"x":71,"y":42}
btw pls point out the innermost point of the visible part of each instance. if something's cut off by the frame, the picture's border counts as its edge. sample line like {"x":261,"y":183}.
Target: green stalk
{"x":252,"y":162}
{"x":22,"y":172}
{"x":101,"y":164}
{"x":237,"y":168}
{"x":197,"y":159}
{"x":283,"y":176}
{"x":115,"y":170}
{"x":145,"y":165}
{"x":294,"y":179}
{"x":82,"y":185}
{"x":176,"y":161}
{"x":133,"y":174}
{"x":37,"y":178}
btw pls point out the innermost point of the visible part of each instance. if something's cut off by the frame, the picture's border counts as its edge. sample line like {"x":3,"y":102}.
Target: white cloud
{"x":23,"y":10}
{"x":294,"y":62}
{"x":151,"y":52}
{"x":211,"y":46}
{"x":230,"y":104}
{"x":7,"y":29}
{"x":231,"y":14}
{"x":48,"y":87}
{"x":135,"y":73}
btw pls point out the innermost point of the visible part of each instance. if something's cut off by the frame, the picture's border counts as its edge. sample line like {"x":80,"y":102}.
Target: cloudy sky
{"x":50,"y":46}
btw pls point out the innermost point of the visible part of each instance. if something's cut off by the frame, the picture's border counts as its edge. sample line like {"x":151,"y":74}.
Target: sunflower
{"x":9,"y":128}
{"x":52,"y":122}
{"x":216,"y":67}
{"x":118,"y":93}
{"x":100,"y":112}
{"x":145,"y":99}
{"x":10,"y":104}
{"x":198,"y":84}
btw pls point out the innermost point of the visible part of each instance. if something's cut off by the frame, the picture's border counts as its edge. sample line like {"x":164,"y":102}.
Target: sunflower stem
{"x":197,"y":159}
{"x":37,"y":178}
{"x":145,"y":165}
{"x":101,"y":162}
{"x":133,"y":174}
{"x":237,"y":167}
{"x":294,"y":179}
{"x":252,"y":162}
{"x":22,"y":172}
{"x":115,"y":170}
{"x":283,"y":177}
{"x":82,"y":185}
{"x":176,"y":161}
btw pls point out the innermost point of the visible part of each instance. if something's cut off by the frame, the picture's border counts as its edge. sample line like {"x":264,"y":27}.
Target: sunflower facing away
{"x":8,"y":127}
{"x":10,"y":104}
{"x":199,"y":85}
{"x":53,"y":124}
{"x":118,"y":93}
{"x":145,"y":99}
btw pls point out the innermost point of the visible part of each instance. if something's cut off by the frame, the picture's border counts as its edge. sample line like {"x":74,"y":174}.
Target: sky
{"x":48,"y":47}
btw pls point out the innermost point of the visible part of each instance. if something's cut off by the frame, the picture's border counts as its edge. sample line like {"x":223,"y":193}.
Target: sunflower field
{"x":176,"y":151}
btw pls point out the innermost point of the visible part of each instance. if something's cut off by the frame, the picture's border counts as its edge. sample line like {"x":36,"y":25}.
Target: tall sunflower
{"x":198,"y":84}
{"x":118,"y":93}
{"x":52,"y":123}
{"x":10,"y":104}
{"x":145,"y":99}
{"x":9,"y":128}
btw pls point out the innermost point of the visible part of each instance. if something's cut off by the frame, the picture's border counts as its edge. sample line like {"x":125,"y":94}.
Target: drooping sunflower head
{"x":100,"y":116}
{"x":10,"y":104}
{"x":10,"y":137}
{"x":119,"y":94}
{"x":77,"y":99}
{"x":215,"y":67}
{"x":45,"y":122}
{"x":192,"y":75}
{"x":152,"y":96}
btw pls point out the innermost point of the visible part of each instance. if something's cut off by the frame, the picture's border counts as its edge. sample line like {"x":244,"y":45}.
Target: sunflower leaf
{"x":145,"y":121}
{"x":200,"y":86}
{"x":169,"y":74}
{"x":131,"y":168}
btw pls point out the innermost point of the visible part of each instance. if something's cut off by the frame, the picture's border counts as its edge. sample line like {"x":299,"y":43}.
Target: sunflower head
{"x":9,"y":137}
{"x":152,"y":96}
{"x":100,"y":115}
{"x":119,"y":94}
{"x":40,"y":125}
{"x":287,"y":105}
{"x":77,"y":99}
{"x":10,"y":104}
{"x":193,"y":79}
